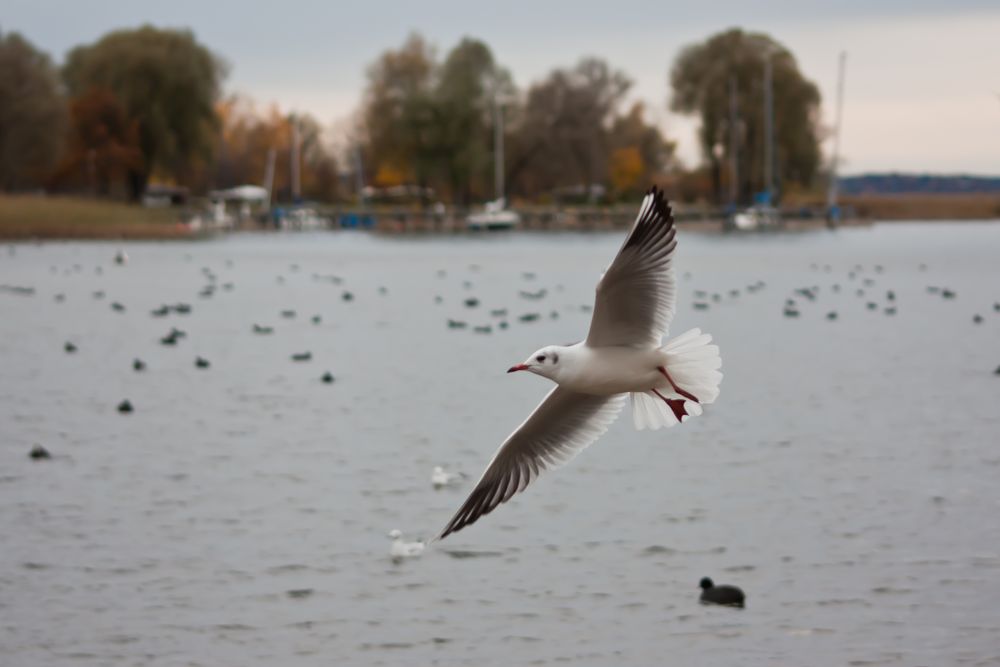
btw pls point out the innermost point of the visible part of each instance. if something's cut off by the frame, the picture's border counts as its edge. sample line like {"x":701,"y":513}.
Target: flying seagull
{"x":622,"y":356}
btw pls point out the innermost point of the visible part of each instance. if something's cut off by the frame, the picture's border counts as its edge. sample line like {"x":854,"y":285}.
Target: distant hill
{"x":893,"y":183}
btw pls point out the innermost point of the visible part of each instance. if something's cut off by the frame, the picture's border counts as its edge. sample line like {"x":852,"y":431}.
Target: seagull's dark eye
{"x":555,"y":358}
{"x":540,"y":357}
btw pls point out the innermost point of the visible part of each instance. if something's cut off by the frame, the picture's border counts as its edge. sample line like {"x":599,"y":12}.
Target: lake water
{"x":846,"y":479}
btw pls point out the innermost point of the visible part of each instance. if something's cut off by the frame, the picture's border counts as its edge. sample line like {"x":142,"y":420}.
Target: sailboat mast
{"x":734,"y":177}
{"x":831,"y":199}
{"x":498,"y":184}
{"x":768,"y":131}
{"x":295,"y":167}
{"x":269,"y":175}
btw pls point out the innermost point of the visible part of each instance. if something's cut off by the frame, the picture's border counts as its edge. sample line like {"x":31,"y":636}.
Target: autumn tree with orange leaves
{"x":103,"y":144}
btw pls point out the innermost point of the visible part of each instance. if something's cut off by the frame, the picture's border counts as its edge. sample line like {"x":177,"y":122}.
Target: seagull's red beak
{"x":519,"y":367}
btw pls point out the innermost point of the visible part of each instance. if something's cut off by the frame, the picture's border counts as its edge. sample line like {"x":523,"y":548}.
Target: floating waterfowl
{"x":327,"y":378}
{"x":456,"y":324}
{"x":484,"y":329}
{"x":258,"y":329}
{"x":173,"y":336}
{"x":728,"y":596}
{"x":832,"y":315}
{"x":117,"y":307}
{"x":138,"y":365}
{"x":316,"y":319}
{"x":39,"y":453}
{"x":441,"y":478}
{"x":201,"y":362}
{"x":534,"y":296}
{"x":400,"y":550}
{"x":529,"y":317}
{"x":347,"y":296}
{"x":977,"y":319}
{"x":288,"y":314}
{"x":69,"y":347}
{"x":700,"y":305}
{"x":471,"y":302}
{"x":302,"y":356}
{"x":125,"y":407}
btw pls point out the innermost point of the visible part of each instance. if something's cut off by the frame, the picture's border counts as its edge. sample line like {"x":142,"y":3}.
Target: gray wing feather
{"x":636,"y":296}
{"x":562,"y":425}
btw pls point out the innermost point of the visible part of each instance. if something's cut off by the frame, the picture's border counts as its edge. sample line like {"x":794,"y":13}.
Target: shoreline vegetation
{"x":48,"y":217}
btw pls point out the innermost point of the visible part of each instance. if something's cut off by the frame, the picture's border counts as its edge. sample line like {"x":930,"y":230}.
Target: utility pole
{"x":831,"y":199}
{"x":768,"y":131}
{"x":734,"y":175}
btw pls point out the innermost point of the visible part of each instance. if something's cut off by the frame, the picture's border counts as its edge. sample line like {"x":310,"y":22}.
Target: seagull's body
{"x":603,"y":371}
{"x":622,"y":356}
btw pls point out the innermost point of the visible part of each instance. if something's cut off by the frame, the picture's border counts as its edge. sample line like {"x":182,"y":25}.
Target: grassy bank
{"x":926,"y":207}
{"x":30,"y":217}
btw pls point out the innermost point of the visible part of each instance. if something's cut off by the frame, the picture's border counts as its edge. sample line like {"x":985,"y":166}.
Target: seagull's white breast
{"x":605,"y":371}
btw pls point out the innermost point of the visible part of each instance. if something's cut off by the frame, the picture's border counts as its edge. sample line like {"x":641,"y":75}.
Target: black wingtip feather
{"x":657,"y":221}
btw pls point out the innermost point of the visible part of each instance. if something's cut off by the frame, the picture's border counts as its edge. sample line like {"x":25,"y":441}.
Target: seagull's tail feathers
{"x":692,"y":363}
{"x":652,"y":412}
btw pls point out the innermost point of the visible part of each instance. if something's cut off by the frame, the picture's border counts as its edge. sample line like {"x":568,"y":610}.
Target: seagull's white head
{"x":544,"y":362}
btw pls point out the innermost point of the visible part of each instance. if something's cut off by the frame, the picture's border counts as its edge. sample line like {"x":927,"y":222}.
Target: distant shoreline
{"x":24,"y":217}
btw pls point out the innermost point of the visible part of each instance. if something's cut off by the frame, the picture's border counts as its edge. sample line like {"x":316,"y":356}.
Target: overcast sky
{"x":923,"y":78}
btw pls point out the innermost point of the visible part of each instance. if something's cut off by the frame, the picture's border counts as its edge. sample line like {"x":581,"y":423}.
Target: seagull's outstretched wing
{"x":636,"y":296}
{"x":562,"y":425}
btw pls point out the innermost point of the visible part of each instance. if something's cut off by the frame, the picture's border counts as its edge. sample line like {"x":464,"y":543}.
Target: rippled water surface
{"x":846,"y":478}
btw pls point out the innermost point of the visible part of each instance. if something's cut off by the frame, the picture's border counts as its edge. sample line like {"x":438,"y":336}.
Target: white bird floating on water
{"x":622,"y":355}
{"x":400,"y":549}
{"x":441,"y":478}
{"x":121,"y":257}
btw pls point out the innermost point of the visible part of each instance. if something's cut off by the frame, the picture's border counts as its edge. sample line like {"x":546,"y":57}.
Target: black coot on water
{"x":729,"y":596}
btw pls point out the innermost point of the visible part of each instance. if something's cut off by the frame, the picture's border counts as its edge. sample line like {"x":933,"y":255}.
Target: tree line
{"x":147,"y":105}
